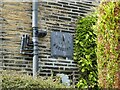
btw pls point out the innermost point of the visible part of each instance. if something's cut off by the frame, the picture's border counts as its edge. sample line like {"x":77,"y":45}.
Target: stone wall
{"x":0,"y":35}
{"x":15,"y":20}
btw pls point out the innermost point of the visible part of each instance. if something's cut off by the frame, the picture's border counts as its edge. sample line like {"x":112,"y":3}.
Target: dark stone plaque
{"x":61,"y":44}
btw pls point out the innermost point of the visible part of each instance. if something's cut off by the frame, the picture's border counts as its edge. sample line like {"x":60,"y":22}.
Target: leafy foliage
{"x":85,"y":52}
{"x":15,"y":80}
{"x":108,"y":43}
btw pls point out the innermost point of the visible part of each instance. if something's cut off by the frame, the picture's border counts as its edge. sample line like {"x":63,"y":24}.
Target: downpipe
{"x":35,"y":37}
{"x":36,"y":34}
{"x":25,"y":39}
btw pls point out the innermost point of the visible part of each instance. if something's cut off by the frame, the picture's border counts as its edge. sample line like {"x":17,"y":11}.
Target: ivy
{"x":108,"y":45}
{"x":85,"y":52}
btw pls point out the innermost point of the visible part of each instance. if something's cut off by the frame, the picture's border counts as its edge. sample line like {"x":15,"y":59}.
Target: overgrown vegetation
{"x":85,"y":52}
{"x":108,"y":43}
{"x":14,"y":80}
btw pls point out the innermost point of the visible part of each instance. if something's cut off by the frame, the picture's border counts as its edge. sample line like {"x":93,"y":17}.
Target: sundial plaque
{"x":61,"y":44}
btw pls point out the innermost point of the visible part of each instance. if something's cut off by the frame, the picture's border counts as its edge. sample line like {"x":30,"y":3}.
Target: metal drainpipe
{"x":35,"y":36}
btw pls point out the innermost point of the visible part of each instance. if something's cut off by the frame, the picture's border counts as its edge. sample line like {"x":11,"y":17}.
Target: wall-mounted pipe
{"x":35,"y":36}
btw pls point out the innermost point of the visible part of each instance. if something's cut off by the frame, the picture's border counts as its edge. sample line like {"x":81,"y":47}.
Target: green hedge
{"x":85,"y":52}
{"x":108,"y":43}
{"x":15,"y":80}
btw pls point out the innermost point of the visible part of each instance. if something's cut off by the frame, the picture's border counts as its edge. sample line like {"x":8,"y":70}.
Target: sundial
{"x":61,"y":44}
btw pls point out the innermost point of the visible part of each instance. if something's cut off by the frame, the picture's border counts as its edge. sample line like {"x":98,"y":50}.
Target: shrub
{"x":15,"y":80}
{"x":85,"y":52}
{"x":108,"y":43}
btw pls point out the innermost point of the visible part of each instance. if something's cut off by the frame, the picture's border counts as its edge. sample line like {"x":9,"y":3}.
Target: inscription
{"x":61,"y":48}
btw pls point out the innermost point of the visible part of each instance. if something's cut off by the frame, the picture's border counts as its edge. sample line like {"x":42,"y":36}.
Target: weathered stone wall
{"x":15,"y":20}
{"x":0,"y":35}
